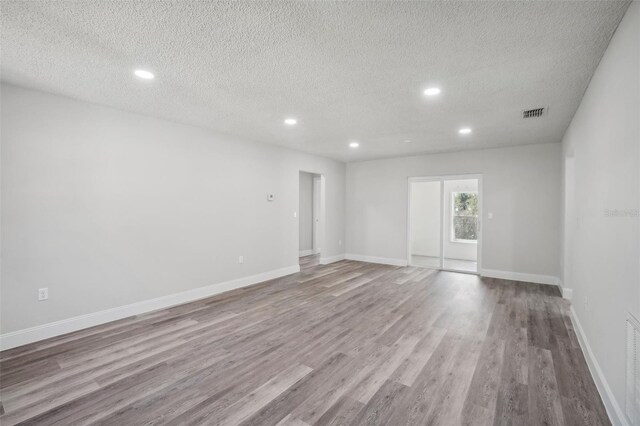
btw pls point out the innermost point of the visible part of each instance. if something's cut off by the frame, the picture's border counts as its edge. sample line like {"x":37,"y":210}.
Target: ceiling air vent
{"x":533,"y":113}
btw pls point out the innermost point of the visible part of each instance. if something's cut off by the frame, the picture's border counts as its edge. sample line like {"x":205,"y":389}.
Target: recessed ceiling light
{"x":146,"y":75}
{"x":432,"y":91}
{"x":464,"y":131}
{"x":354,"y":144}
{"x":407,"y":141}
{"x":290,"y":121}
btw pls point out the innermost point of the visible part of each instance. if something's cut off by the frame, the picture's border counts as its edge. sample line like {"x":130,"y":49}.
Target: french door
{"x":444,"y":223}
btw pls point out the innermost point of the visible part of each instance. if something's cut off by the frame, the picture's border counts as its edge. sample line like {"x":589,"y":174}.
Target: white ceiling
{"x":346,"y":70}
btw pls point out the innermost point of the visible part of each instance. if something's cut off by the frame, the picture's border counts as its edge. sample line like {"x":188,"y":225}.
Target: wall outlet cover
{"x":43,"y":294}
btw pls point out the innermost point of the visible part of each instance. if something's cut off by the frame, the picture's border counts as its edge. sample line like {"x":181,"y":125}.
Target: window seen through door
{"x":464,"y":217}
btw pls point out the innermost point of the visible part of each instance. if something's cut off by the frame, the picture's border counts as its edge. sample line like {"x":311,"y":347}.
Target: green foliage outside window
{"x":465,"y":216}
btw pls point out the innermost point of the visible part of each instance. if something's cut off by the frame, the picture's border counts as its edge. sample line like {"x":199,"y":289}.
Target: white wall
{"x":453,"y":249}
{"x":107,"y":208}
{"x":425,"y":218}
{"x":521,"y":186}
{"x":305,"y":212}
{"x":602,"y":263}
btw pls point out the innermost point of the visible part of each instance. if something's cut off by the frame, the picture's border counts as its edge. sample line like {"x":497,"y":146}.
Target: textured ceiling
{"x":346,"y":70}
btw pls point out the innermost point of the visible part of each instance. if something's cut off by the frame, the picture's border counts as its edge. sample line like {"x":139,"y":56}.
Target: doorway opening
{"x":444,"y":223}
{"x":310,"y":219}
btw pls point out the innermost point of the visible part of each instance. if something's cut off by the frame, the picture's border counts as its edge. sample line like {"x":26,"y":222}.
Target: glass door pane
{"x":460,"y":225}
{"x":425,"y":224}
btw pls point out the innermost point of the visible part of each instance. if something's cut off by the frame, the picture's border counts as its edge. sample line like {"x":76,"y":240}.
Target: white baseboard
{"x":373,"y":259}
{"x":519,"y":276}
{"x":614,"y":410}
{"x":306,"y":252}
{"x":567,"y":293}
{"x":331,"y":259}
{"x":424,"y":254}
{"x":45,"y":331}
{"x":436,"y":257}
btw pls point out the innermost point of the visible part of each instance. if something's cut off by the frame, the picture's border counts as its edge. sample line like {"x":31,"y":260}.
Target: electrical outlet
{"x":339,"y":242}
{"x":43,"y":294}
{"x":241,"y":259}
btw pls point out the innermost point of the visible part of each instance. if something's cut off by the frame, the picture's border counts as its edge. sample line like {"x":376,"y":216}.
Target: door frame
{"x":319,"y":239}
{"x":442,"y":179}
{"x":316,"y":196}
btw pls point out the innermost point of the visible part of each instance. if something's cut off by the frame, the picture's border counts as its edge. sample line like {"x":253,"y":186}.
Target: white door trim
{"x":319,"y":237}
{"x":316,"y":216}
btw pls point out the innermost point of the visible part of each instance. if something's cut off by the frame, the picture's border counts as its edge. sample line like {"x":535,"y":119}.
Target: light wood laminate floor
{"x":308,"y":262}
{"x":346,"y":343}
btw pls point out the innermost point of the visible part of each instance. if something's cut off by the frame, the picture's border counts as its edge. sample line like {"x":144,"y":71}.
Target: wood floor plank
{"x":343,"y":412}
{"x":383,"y":370}
{"x":415,"y":406}
{"x":512,"y":400}
{"x":482,"y":395}
{"x":545,"y":406}
{"x":257,"y":399}
{"x":380,"y":407}
{"x":411,"y":366}
{"x":345,"y":343}
{"x":281,"y":407}
{"x":337,"y":386}
{"x":448,"y":405}
{"x":289,"y":421}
